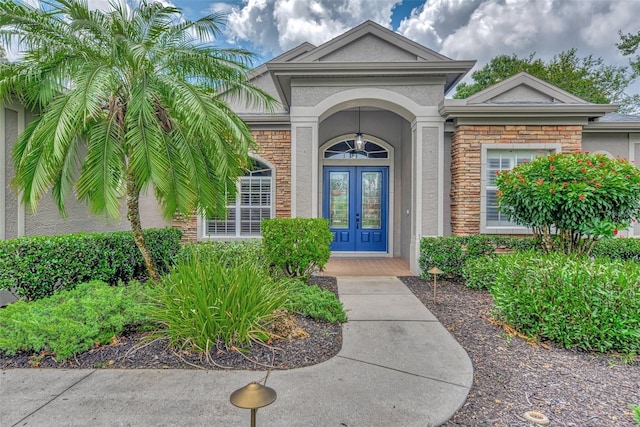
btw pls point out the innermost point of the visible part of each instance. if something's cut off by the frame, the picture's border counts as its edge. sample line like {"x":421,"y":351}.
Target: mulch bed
{"x":513,"y":376}
{"x":134,"y":351}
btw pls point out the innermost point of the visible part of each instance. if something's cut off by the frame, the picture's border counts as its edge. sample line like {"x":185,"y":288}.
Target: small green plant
{"x":591,"y":304}
{"x":315,"y":302}
{"x":73,"y":321}
{"x":297,"y":246}
{"x":570,"y":200}
{"x":204,"y":300}
{"x":442,"y":252}
{"x":480,"y":273}
{"x":636,"y":413}
{"x":228,"y":252}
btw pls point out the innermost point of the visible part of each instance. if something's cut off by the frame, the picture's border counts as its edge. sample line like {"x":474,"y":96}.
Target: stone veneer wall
{"x":275,"y":147}
{"x":466,"y":168}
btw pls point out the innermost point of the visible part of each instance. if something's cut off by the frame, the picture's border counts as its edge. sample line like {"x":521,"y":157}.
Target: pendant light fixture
{"x":359,"y":143}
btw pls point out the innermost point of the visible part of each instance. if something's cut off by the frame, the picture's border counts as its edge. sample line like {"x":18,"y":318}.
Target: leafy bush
{"x":315,"y":302}
{"x":229,"y":252}
{"x":442,"y":252}
{"x":480,"y":273}
{"x":578,"y":197}
{"x":38,"y":266}
{"x":72,"y":321}
{"x":575,"y":301}
{"x":451,"y":253}
{"x":203,"y":300}
{"x":297,"y":246}
{"x":623,"y":249}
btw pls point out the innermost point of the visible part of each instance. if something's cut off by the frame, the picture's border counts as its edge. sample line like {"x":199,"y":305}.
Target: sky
{"x":460,"y":29}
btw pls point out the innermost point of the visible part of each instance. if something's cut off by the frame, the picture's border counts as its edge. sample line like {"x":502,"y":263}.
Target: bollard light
{"x":435,"y":271}
{"x":253,"y":396}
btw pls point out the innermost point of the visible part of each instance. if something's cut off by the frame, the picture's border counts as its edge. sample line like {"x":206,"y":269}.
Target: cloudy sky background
{"x":459,"y":29}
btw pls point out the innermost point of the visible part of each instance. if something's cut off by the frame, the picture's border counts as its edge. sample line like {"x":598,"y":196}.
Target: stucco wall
{"x":10,"y":200}
{"x":430,"y":180}
{"x":616,"y":144}
{"x":308,"y":93}
{"x":264,"y":82}
{"x":447,"y":185}
{"x":48,"y":221}
{"x":304,"y":171}
{"x":369,"y":49}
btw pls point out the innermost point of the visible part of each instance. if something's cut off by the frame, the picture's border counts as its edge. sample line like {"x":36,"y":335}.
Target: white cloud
{"x":274,"y":26}
{"x":482,"y":29}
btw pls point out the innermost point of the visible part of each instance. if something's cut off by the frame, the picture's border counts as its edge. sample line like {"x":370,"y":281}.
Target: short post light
{"x":435,"y":271}
{"x":253,"y":396}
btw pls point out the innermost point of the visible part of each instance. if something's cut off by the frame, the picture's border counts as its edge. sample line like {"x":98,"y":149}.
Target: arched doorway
{"x":355,"y":188}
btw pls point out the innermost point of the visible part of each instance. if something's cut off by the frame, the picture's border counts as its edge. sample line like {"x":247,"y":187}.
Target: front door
{"x":355,"y":203}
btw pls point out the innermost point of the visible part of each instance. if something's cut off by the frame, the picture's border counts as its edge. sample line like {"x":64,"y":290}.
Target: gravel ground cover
{"x":513,"y":375}
{"x":133,"y":350}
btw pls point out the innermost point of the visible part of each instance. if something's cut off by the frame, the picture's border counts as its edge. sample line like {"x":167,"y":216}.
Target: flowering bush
{"x":576,"y":197}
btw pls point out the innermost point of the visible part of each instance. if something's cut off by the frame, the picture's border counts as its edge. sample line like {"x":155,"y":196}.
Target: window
{"x":347,"y":150}
{"x":496,"y":160}
{"x":251,"y":205}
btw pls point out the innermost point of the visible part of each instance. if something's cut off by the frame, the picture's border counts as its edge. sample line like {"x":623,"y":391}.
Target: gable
{"x":372,"y":39}
{"x":522,"y":94}
{"x":369,"y":48}
{"x":523,"y":88}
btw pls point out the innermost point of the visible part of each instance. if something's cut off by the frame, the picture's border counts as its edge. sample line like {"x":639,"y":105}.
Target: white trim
{"x":484,"y":229}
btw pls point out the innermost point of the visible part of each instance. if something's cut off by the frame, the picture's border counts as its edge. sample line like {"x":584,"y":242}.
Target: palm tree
{"x":130,"y":100}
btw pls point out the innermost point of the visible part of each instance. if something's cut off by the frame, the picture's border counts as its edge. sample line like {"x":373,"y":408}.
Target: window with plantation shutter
{"x":252,"y":204}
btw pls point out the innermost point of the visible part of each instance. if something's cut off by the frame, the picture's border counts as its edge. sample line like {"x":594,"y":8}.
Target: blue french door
{"x":355,"y":203}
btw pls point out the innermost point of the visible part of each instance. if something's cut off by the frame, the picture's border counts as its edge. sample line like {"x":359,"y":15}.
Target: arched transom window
{"x":252,"y":204}
{"x":347,"y":150}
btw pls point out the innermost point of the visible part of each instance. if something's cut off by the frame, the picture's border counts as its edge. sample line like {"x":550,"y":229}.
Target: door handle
{"x":357,"y":221}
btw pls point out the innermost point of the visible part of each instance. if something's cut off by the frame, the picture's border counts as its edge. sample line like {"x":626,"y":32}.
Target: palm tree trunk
{"x":133,"y":212}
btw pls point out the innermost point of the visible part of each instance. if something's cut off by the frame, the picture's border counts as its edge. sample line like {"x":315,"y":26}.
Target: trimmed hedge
{"x":591,"y":304}
{"x":451,"y":253}
{"x":297,"y":246}
{"x":228,"y":252}
{"x":36,"y":267}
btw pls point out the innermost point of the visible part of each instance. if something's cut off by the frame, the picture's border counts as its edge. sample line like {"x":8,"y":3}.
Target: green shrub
{"x":297,"y":246}
{"x":229,"y":252}
{"x":480,"y":273}
{"x":442,"y":252}
{"x":451,"y":253}
{"x":315,"y":302}
{"x":72,"y":321}
{"x":203,"y":300}
{"x":575,"y":301}
{"x":38,"y":266}
{"x":570,"y":200}
{"x":623,"y":249}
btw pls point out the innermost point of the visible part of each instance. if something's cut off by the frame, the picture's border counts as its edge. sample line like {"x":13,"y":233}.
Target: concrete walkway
{"x":398,"y":367}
